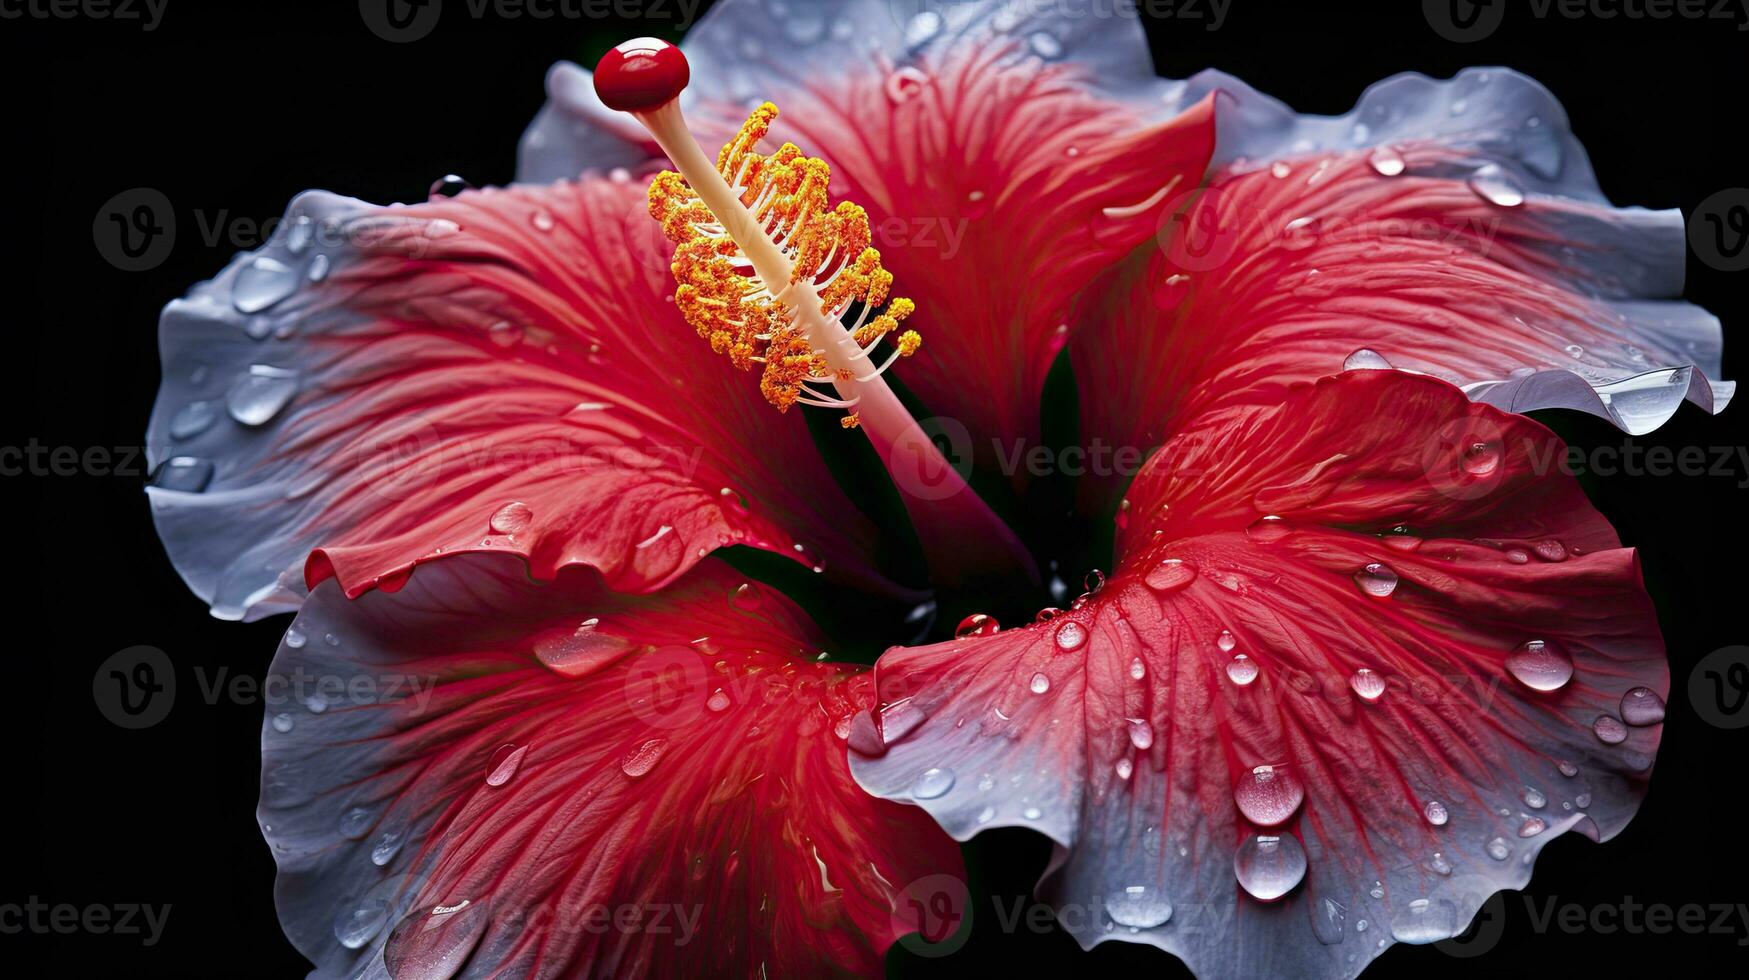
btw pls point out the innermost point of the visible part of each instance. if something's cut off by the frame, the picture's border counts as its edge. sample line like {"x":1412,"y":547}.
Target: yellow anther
{"x":850,"y":421}
{"x":786,"y":196}
{"x":909,"y":341}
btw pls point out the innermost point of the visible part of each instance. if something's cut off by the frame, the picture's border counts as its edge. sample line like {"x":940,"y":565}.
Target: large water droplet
{"x":1071,"y":635}
{"x":1425,"y":921}
{"x":1436,"y":813}
{"x":193,"y":419}
{"x":1138,"y":907}
{"x":1376,"y":580}
{"x":977,"y":624}
{"x":260,"y":395}
{"x":641,"y":760}
{"x":1269,"y":867}
{"x":922,"y":28}
{"x":1040,"y":684}
{"x":1609,"y":730}
{"x":434,"y":944}
{"x":1329,"y":920}
{"x":387,"y":846}
{"x":1540,"y":665}
{"x":1241,"y":670}
{"x":359,"y":924}
{"x":581,"y":651}
{"x":1368,"y":683}
{"x":502,"y":766}
{"x":1497,"y":187}
{"x":1170,"y":575}
{"x":512,"y":518}
{"x":1387,"y":161}
{"x":262,"y":282}
{"x":1268,"y":795}
{"x":1141,"y":733}
{"x":932,"y":783}
{"x":1642,"y":706}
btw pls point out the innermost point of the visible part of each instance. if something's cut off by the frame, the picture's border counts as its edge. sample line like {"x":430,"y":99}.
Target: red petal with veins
{"x":501,"y":371}
{"x":1379,"y":674}
{"x":1281,"y":272}
{"x":997,"y":186}
{"x":491,"y":777}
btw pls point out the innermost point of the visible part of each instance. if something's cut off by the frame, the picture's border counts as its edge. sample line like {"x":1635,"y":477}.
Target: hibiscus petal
{"x":1452,"y":228}
{"x":1423,"y":751}
{"x":499,"y":371}
{"x":996,"y":148}
{"x":674,"y":762}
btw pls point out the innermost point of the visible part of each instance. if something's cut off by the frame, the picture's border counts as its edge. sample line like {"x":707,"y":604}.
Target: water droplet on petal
{"x":1498,"y":849}
{"x":641,"y":760}
{"x":1480,"y":458}
{"x":193,"y":419}
{"x":512,"y":518}
{"x":1241,"y":670}
{"x":1032,"y":813}
{"x":1435,"y":813}
{"x":718,"y":701}
{"x":387,"y":846}
{"x":355,"y":823}
{"x":1517,"y":556}
{"x":1138,"y":907}
{"x":1497,"y":187}
{"x":1532,"y":827}
{"x":357,"y":925}
{"x":260,"y":395}
{"x":1582,"y":801}
{"x":434,"y":944}
{"x":932,"y":783}
{"x":977,"y":624}
{"x":1280,"y":169}
{"x":541,"y":220}
{"x":1377,"y":580}
{"x":1568,"y":769}
{"x":1141,"y":733}
{"x":987,"y":814}
{"x":1540,"y":665}
{"x":1366,"y":359}
{"x":1040,"y":684}
{"x":449,"y":185}
{"x":581,"y":651}
{"x":502,"y":766}
{"x":1268,"y":866}
{"x":1609,"y":730}
{"x":262,"y":282}
{"x":1170,"y":575}
{"x":294,"y":638}
{"x":1225,"y":641}
{"x":1045,"y":45}
{"x":1124,"y":768}
{"x":1550,"y":550}
{"x":922,"y":28}
{"x":1071,"y":635}
{"x":1268,"y":529}
{"x":1268,"y":795}
{"x":1138,"y":669}
{"x":1386,"y":161}
{"x":1368,"y":683}
{"x":282,"y":723}
{"x":1642,"y":706}
{"x":1534,"y":798}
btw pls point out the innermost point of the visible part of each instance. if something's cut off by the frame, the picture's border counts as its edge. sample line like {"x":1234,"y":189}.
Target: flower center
{"x":770,"y":274}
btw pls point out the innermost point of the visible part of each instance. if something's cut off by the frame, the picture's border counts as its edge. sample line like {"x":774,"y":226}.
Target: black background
{"x":236,"y":107}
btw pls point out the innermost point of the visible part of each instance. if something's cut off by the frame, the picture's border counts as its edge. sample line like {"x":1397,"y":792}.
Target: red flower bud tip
{"x":642,"y":74}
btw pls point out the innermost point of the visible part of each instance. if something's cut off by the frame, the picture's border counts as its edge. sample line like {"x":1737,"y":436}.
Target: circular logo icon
{"x":1466,"y":458}
{"x":400,"y":21}
{"x":135,"y":688}
{"x":1718,"y":231}
{"x":135,"y":229}
{"x":1463,"y":21}
{"x":668,"y":686}
{"x":1483,"y":933}
{"x":1197,"y":231}
{"x":932,"y":461}
{"x":397,"y":460}
{"x":933,"y":915}
{"x":1718,"y":687}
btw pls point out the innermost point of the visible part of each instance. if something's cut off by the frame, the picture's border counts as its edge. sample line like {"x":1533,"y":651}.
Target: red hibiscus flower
{"x":505,"y":454}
